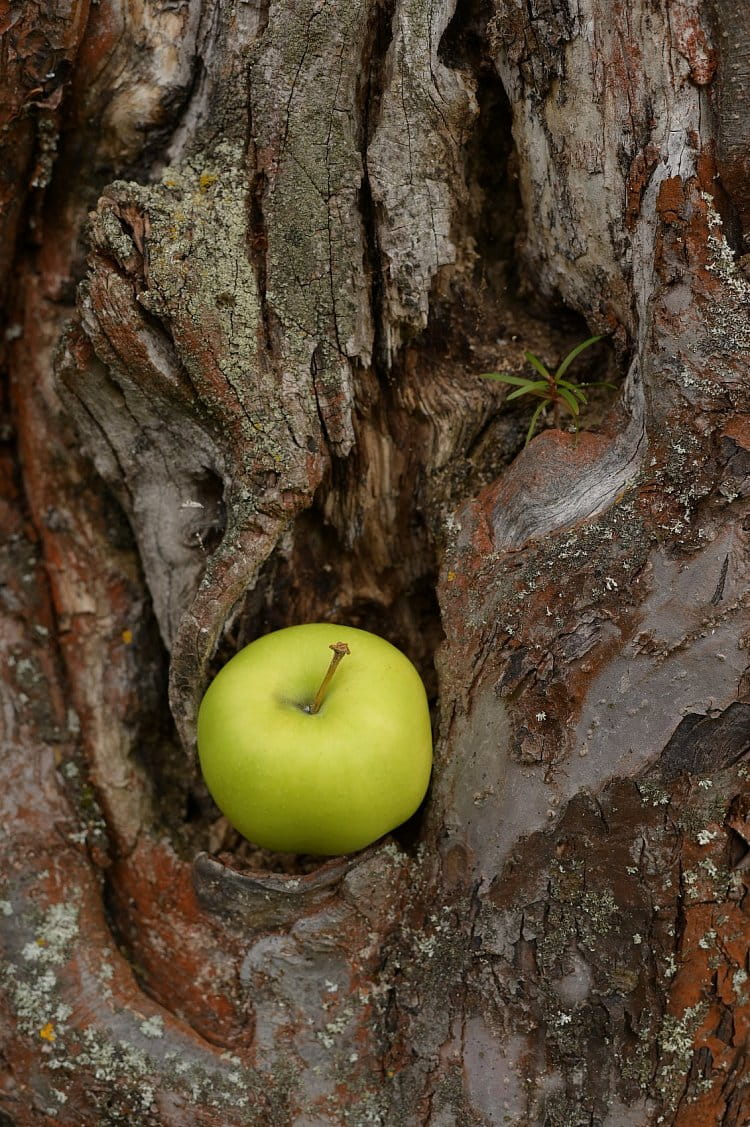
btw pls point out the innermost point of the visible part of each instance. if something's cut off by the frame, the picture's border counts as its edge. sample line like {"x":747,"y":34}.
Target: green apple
{"x":305,"y":753}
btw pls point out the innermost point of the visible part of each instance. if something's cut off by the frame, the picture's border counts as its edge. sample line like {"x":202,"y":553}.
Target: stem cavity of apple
{"x":340,"y":650}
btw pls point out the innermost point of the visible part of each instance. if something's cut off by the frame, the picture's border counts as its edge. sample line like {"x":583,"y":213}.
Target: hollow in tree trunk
{"x":256,"y":257}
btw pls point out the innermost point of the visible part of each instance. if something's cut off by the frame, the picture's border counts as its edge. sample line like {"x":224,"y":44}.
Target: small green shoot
{"x":553,"y":390}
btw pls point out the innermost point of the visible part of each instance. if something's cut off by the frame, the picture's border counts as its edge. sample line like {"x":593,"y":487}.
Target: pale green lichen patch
{"x":739,"y":983}
{"x":700,"y":818}
{"x":724,"y":263}
{"x":31,"y":982}
{"x":111,"y":233}
{"x":122,"y":1060}
{"x":661,"y":1059}
{"x":198,"y":265}
{"x":577,"y":914}
{"x":204,"y":278}
{"x":133,"y":1075}
{"x":676,"y":1041}
{"x":153,"y":1026}
{"x":729,"y":326}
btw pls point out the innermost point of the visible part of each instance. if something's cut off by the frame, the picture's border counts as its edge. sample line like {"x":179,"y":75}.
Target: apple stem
{"x":340,"y":650}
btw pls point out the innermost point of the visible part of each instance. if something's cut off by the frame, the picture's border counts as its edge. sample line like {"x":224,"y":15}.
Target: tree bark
{"x":256,"y":256}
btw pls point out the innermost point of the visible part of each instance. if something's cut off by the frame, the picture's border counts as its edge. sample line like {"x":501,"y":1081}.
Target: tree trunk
{"x":244,"y":393}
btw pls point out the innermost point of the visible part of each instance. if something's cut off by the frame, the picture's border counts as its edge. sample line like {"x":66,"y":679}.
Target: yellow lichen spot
{"x":206,"y":180}
{"x":168,"y":182}
{"x":127,"y":637}
{"x":451,"y":576}
{"x":47,"y":1032}
{"x":41,"y":941}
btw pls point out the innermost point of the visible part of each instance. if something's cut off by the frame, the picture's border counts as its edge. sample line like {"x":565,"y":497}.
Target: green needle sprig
{"x":553,"y":390}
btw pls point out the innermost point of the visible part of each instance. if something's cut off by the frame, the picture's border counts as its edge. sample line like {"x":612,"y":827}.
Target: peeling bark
{"x":260,"y":254}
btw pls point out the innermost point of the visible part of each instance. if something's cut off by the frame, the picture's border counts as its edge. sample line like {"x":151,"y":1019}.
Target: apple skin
{"x":325,"y":783}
